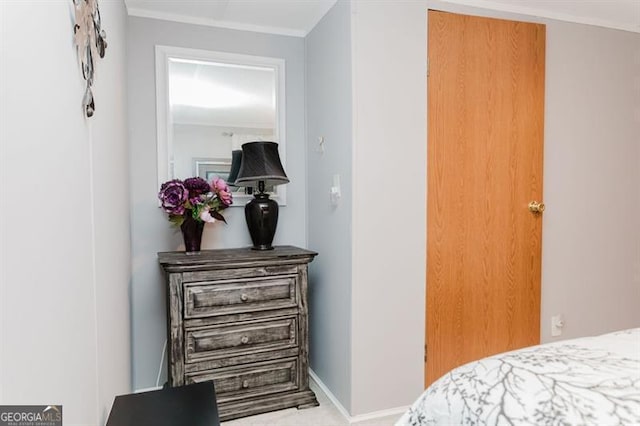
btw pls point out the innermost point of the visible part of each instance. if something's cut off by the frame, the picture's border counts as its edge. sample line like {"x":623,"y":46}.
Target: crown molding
{"x":539,"y":12}
{"x":319,"y":18}
{"x":184,"y":19}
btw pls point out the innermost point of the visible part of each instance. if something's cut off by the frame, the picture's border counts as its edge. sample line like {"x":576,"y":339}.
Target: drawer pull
{"x":244,"y":297}
{"x":245,"y":384}
{"x":244,"y":340}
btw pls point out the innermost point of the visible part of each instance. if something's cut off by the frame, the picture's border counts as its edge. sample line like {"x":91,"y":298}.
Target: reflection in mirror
{"x":209,"y":104}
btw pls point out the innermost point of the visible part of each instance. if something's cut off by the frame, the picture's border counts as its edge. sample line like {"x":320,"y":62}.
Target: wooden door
{"x":484,"y":158}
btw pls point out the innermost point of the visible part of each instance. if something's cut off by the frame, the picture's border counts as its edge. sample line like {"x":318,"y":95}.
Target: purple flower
{"x":196,"y":200}
{"x":173,"y":195}
{"x":196,"y":186}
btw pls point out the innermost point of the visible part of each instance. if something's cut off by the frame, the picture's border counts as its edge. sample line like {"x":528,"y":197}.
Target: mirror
{"x":208,"y":105}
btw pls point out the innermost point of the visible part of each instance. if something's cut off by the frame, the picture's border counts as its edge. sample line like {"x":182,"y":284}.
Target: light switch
{"x":335,"y":192}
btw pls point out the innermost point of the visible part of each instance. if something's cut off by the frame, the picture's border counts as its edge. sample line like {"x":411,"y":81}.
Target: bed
{"x":587,"y":381}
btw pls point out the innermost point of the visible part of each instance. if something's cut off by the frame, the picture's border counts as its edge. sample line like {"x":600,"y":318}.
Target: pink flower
{"x":205,"y":215}
{"x":221,"y":189}
{"x":225,"y":197}
{"x":218,"y":185}
{"x":196,"y":198}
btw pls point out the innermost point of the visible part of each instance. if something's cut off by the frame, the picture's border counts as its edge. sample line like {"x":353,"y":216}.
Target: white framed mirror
{"x":208,"y":104}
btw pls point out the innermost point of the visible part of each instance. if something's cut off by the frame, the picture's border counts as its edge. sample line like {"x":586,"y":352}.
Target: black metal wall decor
{"x":90,"y":40}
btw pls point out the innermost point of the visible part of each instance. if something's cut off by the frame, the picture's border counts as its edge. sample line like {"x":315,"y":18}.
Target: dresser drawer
{"x":255,"y":380}
{"x":231,"y":340}
{"x":226,"y":297}
{"x":239,"y":317}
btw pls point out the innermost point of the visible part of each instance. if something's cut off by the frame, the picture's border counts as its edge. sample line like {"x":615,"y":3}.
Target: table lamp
{"x":236,"y":160}
{"x":261,"y":164}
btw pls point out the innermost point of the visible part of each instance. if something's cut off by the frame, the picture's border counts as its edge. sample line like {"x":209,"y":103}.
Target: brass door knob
{"x":536,"y":207}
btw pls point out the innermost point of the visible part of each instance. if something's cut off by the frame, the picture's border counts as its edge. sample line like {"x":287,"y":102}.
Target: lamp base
{"x":262,"y":219}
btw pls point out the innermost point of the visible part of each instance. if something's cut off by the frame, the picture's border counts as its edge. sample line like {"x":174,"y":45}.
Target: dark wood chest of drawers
{"x":239,"y":317}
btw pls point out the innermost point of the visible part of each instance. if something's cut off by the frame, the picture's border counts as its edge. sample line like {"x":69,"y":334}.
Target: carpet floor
{"x":324,"y":415}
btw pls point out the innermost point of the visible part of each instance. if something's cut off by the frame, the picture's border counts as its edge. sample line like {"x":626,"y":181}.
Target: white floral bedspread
{"x":588,"y":381}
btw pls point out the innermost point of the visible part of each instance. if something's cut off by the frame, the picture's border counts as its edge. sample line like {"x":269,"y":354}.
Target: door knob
{"x":536,"y":207}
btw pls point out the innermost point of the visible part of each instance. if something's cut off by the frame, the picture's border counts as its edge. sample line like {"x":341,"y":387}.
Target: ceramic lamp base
{"x":262,"y":219}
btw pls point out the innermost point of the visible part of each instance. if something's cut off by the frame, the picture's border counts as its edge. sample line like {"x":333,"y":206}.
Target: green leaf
{"x":177,"y":220}
{"x":195,"y":212}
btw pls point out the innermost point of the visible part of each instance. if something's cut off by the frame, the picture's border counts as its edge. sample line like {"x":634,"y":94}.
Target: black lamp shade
{"x":261,"y":164}
{"x":236,"y":159}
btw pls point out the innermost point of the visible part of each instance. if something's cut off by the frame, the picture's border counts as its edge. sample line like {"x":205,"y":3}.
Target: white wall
{"x":111,"y":214}
{"x":204,"y":141}
{"x":389,"y":69}
{"x":328,"y":93}
{"x":64,"y":216}
{"x":591,"y":257}
{"x":151,"y":231}
{"x":591,"y":232}
{"x":196,"y":141}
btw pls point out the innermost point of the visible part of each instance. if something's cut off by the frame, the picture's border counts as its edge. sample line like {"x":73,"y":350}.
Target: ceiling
{"x":298,"y":17}
{"x":286,"y":17}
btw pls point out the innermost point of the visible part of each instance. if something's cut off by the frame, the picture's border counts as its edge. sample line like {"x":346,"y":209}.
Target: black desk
{"x":191,"y":405}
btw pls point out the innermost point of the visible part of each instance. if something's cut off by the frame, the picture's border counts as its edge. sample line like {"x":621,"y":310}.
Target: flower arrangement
{"x":195,"y":197}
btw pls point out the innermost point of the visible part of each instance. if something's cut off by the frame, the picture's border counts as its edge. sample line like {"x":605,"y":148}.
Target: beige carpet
{"x":324,"y":415}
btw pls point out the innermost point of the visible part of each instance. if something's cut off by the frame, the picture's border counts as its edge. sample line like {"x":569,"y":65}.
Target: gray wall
{"x":368,"y":284}
{"x":389,"y":206}
{"x":328,"y":91}
{"x":64,"y":220}
{"x":151,"y":232}
{"x":591,"y":227}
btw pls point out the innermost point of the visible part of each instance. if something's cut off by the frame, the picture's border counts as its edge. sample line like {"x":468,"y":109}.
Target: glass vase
{"x":191,"y":232}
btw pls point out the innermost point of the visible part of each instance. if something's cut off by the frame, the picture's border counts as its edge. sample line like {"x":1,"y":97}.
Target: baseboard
{"x":330,"y":395}
{"x":345,"y":413}
{"x":398,"y":411}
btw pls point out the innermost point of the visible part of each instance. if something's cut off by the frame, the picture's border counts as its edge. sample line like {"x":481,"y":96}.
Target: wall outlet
{"x":557,"y":323}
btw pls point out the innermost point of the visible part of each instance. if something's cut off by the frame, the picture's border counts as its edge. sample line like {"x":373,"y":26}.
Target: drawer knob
{"x":245,"y":384}
{"x":244,"y":297}
{"x":244,"y":340}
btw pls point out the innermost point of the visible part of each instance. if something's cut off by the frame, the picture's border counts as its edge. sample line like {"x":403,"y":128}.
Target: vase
{"x":191,"y":232}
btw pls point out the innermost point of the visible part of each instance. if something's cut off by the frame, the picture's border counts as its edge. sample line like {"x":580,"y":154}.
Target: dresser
{"x":239,"y":317}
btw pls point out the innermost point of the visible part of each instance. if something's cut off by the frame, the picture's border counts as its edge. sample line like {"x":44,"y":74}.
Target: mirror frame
{"x":163,"y":115}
